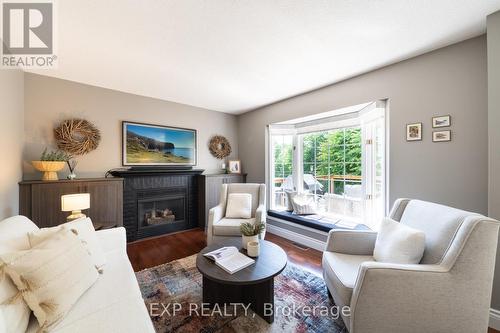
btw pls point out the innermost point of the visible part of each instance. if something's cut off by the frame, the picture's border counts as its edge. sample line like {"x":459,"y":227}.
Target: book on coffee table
{"x":229,"y":259}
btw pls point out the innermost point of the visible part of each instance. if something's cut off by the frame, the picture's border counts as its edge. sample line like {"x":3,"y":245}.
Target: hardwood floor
{"x":159,"y":250}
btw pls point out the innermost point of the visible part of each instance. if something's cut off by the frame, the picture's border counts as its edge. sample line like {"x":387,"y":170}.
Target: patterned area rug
{"x":177,"y":286}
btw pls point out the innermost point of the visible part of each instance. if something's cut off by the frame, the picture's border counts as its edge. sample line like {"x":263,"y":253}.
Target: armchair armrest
{"x":260,"y":214}
{"x":214,"y":214}
{"x":421,"y":297}
{"x":357,"y":242}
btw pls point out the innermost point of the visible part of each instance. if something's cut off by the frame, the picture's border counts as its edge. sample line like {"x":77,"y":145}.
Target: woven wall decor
{"x":219,"y":147}
{"x":77,"y":136}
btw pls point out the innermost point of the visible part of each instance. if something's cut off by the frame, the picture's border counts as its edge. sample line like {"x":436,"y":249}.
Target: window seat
{"x":318,"y":222}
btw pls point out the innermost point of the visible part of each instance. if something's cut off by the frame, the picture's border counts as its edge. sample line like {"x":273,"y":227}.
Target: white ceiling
{"x":235,"y":55}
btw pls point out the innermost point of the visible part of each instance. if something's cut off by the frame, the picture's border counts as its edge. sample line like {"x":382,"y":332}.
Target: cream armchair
{"x":449,"y":291}
{"x":220,"y":228}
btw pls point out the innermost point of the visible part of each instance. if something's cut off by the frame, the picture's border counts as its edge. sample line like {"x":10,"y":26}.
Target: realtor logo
{"x":28,"y":34}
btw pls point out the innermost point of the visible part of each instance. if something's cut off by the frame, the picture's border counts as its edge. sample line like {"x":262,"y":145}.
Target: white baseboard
{"x":295,"y":237}
{"x":495,"y":319}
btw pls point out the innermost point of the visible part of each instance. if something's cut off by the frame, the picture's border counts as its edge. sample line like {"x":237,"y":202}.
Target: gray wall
{"x":493,"y":23}
{"x":49,"y":101}
{"x":11,"y":139}
{"x":452,"y":80}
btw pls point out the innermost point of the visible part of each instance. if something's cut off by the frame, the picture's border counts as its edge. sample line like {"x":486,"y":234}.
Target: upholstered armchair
{"x":220,"y":227}
{"x":448,"y":291}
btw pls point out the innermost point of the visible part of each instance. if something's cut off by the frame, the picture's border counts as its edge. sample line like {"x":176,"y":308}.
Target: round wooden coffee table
{"x":252,"y":286}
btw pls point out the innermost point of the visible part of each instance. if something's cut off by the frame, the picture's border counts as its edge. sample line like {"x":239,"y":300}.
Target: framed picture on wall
{"x":441,"y":121}
{"x":414,"y":132}
{"x":441,"y":136}
{"x":234,"y":167}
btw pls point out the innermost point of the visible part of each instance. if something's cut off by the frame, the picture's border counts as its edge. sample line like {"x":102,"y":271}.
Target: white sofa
{"x":113,"y":304}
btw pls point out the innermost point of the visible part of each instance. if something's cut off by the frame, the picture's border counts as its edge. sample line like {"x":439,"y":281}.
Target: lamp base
{"x":76,"y":214}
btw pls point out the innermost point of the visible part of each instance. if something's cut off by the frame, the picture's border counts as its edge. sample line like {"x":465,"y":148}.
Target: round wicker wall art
{"x":219,"y":146}
{"x":77,"y":136}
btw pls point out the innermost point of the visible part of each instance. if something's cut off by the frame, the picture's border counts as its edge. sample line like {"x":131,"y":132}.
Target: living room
{"x":264,"y":166}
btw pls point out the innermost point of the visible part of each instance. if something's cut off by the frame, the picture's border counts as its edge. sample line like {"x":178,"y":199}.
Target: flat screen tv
{"x":156,"y":145}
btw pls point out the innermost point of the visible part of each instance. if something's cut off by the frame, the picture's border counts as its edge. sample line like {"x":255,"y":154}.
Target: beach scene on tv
{"x":148,"y":144}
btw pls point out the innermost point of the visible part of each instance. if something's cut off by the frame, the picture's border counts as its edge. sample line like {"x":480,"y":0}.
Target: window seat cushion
{"x":318,"y":222}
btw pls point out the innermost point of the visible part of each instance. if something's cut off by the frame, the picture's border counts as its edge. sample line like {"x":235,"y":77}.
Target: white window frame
{"x":375,"y":109}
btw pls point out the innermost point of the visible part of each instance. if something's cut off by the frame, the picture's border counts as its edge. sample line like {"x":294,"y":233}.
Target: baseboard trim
{"x":295,"y":237}
{"x":495,"y":319}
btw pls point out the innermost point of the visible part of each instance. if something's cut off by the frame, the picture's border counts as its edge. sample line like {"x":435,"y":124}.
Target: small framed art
{"x":441,"y":136}
{"x":234,"y":167}
{"x":441,"y":121}
{"x":414,"y":132}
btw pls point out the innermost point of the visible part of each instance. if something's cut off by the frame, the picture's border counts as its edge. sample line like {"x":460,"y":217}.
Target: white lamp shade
{"x":72,"y":202}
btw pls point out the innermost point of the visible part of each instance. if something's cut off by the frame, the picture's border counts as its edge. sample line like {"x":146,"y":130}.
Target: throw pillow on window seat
{"x":289,"y":196}
{"x":304,"y":204}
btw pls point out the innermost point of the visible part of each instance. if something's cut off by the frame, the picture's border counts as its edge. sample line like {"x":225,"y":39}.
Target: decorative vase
{"x":49,"y":168}
{"x":246,"y":239}
{"x":253,"y":249}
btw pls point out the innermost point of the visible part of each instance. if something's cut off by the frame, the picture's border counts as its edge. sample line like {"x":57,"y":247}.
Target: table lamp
{"x":74,"y":203}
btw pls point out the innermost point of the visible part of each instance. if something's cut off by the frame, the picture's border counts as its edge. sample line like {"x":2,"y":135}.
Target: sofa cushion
{"x":13,"y":237}
{"x":239,"y":206}
{"x":398,"y":243}
{"x":341,"y":272}
{"x":229,"y":227}
{"x":85,"y":232}
{"x":60,"y":263}
{"x":113,"y":304}
{"x":439,"y":223}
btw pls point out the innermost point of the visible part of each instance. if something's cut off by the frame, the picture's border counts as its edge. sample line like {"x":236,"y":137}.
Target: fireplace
{"x":157,"y":202}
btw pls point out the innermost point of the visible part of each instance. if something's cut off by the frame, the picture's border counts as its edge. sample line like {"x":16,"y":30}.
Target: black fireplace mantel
{"x":146,"y":185}
{"x":134,"y":172}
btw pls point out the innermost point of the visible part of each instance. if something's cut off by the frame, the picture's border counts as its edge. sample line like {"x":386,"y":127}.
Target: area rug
{"x":173,"y":295}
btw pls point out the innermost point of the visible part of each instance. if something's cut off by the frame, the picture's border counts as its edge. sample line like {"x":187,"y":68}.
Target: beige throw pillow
{"x":85,"y":232}
{"x":304,"y":204}
{"x":13,"y":237}
{"x":51,"y":276}
{"x":239,"y":206}
{"x":398,"y":243}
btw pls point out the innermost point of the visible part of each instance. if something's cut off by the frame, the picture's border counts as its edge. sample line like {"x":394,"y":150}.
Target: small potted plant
{"x":251,"y":232}
{"x":50,"y":163}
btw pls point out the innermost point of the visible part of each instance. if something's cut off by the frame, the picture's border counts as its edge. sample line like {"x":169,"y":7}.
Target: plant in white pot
{"x":251,"y":232}
{"x":49,"y":163}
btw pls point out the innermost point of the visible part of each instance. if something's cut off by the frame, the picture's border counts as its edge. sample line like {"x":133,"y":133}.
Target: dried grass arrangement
{"x":77,"y":136}
{"x":219,"y":147}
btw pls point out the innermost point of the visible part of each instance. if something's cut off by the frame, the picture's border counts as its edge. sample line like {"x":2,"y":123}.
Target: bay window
{"x":337,"y":160}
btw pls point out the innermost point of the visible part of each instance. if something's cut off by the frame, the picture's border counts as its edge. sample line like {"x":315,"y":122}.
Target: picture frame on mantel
{"x":235,"y":167}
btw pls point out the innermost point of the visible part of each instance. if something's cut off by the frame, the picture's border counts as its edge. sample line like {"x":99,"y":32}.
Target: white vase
{"x":253,"y":249}
{"x":246,"y":239}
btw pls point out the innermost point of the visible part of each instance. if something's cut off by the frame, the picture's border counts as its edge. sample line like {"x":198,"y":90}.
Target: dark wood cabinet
{"x":40,"y":201}
{"x":209,"y":192}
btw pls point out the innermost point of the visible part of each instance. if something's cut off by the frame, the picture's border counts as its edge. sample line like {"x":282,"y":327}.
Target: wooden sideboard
{"x":209,"y":192}
{"x":40,"y":201}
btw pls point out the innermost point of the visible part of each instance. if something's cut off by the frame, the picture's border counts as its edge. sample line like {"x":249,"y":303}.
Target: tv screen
{"x":155,"y":145}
